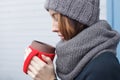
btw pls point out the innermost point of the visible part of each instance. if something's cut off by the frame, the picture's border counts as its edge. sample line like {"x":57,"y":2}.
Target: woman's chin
{"x":62,"y":37}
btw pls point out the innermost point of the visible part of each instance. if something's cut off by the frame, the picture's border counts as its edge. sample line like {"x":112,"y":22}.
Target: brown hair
{"x":69,"y":27}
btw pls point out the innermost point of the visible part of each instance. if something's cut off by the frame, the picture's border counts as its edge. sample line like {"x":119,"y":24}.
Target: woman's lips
{"x":61,"y":36}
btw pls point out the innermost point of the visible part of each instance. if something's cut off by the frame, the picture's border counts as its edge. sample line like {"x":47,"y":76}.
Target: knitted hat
{"x":83,"y":11}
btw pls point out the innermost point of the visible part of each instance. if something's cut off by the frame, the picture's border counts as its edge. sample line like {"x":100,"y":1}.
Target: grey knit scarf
{"x":74,"y":54}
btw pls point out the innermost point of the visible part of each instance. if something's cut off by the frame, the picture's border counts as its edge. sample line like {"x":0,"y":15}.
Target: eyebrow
{"x":53,"y":13}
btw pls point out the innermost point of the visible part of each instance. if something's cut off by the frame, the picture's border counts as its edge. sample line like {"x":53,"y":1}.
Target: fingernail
{"x":43,"y":55}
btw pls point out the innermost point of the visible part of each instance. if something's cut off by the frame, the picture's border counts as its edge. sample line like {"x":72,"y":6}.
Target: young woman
{"x":87,"y":49}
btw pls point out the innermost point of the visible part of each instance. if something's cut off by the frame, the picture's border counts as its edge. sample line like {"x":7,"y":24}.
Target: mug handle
{"x":29,"y":58}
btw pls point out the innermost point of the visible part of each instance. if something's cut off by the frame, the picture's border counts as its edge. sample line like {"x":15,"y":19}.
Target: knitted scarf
{"x":74,"y":54}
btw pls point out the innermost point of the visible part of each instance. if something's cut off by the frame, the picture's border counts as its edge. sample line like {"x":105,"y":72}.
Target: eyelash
{"x":54,"y":18}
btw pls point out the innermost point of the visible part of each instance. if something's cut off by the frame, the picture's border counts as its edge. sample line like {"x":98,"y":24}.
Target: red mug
{"x":38,"y":48}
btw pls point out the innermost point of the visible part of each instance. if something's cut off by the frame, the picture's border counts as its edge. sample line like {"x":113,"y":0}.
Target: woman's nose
{"x":54,"y":29}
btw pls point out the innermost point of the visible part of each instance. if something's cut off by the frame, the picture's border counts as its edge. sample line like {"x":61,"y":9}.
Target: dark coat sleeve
{"x":104,"y":67}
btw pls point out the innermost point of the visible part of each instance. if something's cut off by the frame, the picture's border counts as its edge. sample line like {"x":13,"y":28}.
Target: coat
{"x":104,"y":67}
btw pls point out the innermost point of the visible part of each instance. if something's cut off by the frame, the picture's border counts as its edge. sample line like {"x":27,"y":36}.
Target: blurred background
{"x":22,"y":21}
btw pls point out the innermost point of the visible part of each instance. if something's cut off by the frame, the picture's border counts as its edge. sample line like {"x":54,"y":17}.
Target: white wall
{"x":103,"y":9}
{"x":22,"y":21}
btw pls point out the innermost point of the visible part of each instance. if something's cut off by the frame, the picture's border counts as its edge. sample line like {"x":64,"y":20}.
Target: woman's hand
{"x":39,"y":70}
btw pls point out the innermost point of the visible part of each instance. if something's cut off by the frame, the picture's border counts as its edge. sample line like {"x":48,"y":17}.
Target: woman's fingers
{"x":37,"y":60}
{"x":37,"y":63}
{"x":36,"y":66}
{"x":47,"y":59}
{"x":27,"y":52}
{"x":31,"y":74}
{"x":32,"y":69}
{"x":40,"y":70}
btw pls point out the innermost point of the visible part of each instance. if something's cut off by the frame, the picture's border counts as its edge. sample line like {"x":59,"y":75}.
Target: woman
{"x":87,"y":50}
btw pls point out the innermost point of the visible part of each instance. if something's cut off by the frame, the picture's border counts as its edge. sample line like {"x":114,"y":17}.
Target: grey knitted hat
{"x":84,"y":11}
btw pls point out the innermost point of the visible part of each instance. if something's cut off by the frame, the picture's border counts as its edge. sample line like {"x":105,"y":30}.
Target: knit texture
{"x":83,"y":11}
{"x":74,"y":54}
